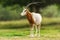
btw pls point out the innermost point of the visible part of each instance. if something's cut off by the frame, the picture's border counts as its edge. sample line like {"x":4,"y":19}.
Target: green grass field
{"x":50,"y":28}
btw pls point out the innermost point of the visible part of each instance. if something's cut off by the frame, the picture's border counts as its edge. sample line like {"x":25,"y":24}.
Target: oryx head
{"x":24,"y":12}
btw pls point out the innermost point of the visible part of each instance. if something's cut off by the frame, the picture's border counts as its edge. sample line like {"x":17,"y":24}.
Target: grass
{"x":51,"y":21}
{"x":50,"y":28}
{"x":21,"y":34}
{"x":13,"y":24}
{"x":19,"y":29}
{"x":13,"y":32}
{"x":24,"y":23}
{"x":49,"y":31}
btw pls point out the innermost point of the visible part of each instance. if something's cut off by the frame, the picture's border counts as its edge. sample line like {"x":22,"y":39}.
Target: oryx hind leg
{"x":38,"y":27}
{"x":36,"y":30}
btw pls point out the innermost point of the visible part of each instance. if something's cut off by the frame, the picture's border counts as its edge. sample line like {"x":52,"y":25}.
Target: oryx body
{"x":37,"y":18}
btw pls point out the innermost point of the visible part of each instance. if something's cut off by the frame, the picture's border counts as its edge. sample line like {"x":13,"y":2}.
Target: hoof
{"x":32,"y":36}
{"x":35,"y":35}
{"x":38,"y":35}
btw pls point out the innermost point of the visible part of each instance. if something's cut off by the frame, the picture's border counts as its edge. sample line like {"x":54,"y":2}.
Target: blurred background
{"x":12,"y":24}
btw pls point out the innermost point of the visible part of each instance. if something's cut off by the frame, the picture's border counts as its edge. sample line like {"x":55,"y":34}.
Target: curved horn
{"x":32,"y":3}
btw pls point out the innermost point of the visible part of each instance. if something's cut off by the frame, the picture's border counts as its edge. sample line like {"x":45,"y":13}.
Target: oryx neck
{"x":30,"y":17}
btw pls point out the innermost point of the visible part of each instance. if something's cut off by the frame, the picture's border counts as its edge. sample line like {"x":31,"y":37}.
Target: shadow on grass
{"x":26,"y":26}
{"x":14,"y":26}
{"x":51,"y":24}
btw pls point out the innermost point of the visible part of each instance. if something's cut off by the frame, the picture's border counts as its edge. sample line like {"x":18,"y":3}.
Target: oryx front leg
{"x":32,"y":31}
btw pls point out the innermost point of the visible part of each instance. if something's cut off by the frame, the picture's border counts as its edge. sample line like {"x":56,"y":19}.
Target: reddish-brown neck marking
{"x":29,"y":17}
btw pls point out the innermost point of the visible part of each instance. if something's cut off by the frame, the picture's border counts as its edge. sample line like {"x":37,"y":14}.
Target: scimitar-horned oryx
{"x":34,"y":19}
